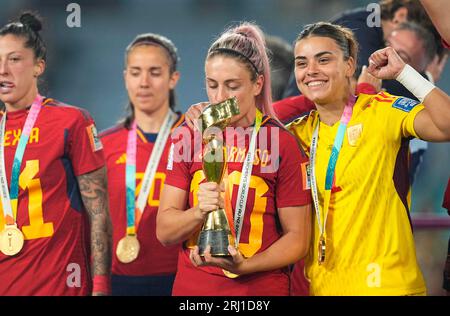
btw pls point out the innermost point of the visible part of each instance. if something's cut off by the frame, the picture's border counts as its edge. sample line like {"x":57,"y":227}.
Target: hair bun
{"x":32,"y":21}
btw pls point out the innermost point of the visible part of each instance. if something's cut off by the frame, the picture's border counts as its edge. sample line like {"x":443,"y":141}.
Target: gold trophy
{"x":216,"y":230}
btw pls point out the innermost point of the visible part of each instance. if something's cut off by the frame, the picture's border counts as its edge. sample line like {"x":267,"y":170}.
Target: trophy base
{"x":217,"y":239}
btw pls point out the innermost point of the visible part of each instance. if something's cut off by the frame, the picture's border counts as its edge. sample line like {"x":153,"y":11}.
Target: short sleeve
{"x":293,"y":187}
{"x":84,"y":148}
{"x":401,"y":115}
{"x":180,"y":158}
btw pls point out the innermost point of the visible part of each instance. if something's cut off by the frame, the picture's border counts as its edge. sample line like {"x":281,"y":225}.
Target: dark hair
{"x":28,"y":27}
{"x":151,"y":39}
{"x":424,"y":35}
{"x":246,"y":43}
{"x":415,"y":10}
{"x":343,"y":37}
{"x":281,"y":58}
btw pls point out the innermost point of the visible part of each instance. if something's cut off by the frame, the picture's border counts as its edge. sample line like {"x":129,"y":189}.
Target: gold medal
{"x":11,"y":240}
{"x":322,"y":248}
{"x":230,"y":275}
{"x":128,"y":249}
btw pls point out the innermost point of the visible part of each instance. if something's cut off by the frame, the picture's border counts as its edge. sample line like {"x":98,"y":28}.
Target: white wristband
{"x":414,"y":82}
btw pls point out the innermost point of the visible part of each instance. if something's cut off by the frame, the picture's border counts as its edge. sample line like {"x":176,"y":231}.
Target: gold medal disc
{"x":128,"y":249}
{"x":230,"y":275}
{"x":11,"y":240}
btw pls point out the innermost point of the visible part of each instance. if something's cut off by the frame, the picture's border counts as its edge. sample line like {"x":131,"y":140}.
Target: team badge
{"x":354,"y":133}
{"x":405,"y":104}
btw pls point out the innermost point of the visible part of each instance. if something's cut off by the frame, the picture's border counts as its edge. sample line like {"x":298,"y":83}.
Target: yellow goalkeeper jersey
{"x":370,"y":247}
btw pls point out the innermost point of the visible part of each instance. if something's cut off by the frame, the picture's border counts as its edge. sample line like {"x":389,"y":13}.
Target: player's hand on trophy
{"x":209,"y":198}
{"x":193,"y":113}
{"x":234,"y":264}
{"x":385,"y":64}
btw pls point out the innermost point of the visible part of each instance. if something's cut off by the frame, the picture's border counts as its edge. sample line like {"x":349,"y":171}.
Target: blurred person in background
{"x":136,"y":152}
{"x":281,"y":58}
{"x":438,"y":14}
{"x":417,"y":47}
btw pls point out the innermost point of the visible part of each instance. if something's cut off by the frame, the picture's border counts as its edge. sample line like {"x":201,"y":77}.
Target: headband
{"x":236,"y":53}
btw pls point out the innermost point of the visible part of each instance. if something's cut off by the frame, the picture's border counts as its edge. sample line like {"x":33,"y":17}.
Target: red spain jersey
{"x":277,"y":181}
{"x":55,"y":258}
{"x":153,"y":258}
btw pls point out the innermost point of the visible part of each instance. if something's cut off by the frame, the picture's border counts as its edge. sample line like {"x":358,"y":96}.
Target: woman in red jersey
{"x":136,"y":153}
{"x":53,"y":181}
{"x":272,"y":218}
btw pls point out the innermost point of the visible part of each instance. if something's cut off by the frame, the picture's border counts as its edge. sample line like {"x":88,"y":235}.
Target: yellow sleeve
{"x":400,"y":113}
{"x":408,"y":123}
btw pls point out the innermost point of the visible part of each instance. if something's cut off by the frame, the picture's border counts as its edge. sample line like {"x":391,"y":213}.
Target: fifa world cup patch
{"x":405,"y":104}
{"x":170,"y":158}
{"x":96,"y":144}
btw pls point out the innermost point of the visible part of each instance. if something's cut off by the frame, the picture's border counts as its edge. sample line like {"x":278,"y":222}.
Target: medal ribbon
{"x":339,"y":138}
{"x":9,"y":199}
{"x":245,"y":180}
{"x":137,"y":206}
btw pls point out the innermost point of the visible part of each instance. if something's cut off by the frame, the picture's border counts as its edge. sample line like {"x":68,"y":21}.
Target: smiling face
{"x":148,"y":79}
{"x":321,"y":72}
{"x":228,"y":77}
{"x":19,"y":71}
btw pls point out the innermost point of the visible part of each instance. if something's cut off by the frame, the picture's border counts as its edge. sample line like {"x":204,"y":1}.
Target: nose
{"x":312,"y":68}
{"x":3,"y":67}
{"x":144,"y":80}
{"x":222,"y":94}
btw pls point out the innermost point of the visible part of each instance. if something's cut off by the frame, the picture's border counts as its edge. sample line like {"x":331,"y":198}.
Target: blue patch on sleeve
{"x":405,"y":104}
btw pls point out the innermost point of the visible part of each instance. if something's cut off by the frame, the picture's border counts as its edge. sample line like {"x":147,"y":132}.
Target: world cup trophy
{"x":216,"y":230}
